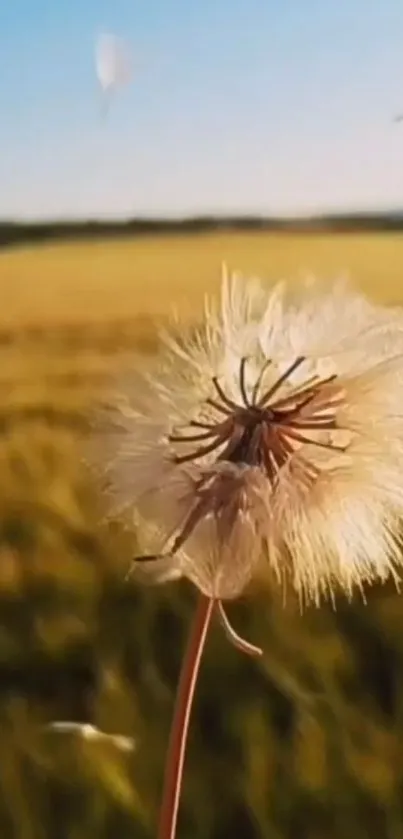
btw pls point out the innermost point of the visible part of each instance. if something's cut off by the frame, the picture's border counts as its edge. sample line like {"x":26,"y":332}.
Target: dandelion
{"x":273,"y":433}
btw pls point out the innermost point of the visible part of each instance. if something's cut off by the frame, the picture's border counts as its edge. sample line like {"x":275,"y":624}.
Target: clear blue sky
{"x":237,"y":105}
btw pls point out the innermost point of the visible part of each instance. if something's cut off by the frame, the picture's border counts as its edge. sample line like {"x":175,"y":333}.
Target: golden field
{"x":102,"y":282}
{"x":309,"y":741}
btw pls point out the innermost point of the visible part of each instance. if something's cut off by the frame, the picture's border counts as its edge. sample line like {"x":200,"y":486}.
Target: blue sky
{"x":236,"y":106}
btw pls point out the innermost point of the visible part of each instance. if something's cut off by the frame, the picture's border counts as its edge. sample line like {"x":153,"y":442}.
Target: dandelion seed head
{"x":274,"y":432}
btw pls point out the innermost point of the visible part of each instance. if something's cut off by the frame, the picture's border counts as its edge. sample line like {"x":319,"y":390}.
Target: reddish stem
{"x":181,"y":718}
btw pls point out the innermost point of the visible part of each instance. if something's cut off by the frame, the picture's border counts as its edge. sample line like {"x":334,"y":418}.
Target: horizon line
{"x":183,"y":218}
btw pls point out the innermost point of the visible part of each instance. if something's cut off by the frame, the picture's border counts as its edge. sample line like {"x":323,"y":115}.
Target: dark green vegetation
{"x":17,"y":233}
{"x":306,"y":744}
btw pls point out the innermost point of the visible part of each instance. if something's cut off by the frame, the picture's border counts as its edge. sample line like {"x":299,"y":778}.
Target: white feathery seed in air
{"x":113,"y":64}
{"x":89,"y":732}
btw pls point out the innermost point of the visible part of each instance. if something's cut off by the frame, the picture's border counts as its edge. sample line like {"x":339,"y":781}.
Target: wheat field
{"x":100,"y":282}
{"x":306,"y":743}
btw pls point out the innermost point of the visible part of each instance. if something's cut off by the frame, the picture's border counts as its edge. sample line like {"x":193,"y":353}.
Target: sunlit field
{"x":305,"y":743}
{"x":70,"y":314}
{"x":102,"y":282}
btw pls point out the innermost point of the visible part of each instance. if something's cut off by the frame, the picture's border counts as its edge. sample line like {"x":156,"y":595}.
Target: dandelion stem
{"x":181,"y":718}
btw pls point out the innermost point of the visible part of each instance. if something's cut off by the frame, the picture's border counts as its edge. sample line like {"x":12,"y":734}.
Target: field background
{"x":102,"y":281}
{"x":307,"y":743}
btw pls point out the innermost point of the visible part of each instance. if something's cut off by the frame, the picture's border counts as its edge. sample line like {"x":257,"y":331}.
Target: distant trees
{"x":18,"y":233}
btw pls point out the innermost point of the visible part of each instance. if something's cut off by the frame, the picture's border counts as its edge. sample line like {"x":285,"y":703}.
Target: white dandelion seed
{"x":113,"y":66}
{"x":275,"y":432}
{"x":90,"y":732}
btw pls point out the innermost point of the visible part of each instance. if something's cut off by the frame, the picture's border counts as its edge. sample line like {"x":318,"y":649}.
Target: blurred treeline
{"x":13,"y":234}
{"x":306,"y":744}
